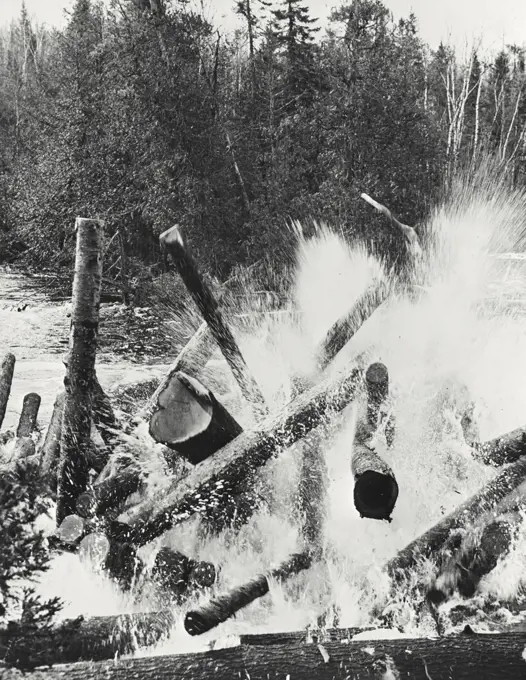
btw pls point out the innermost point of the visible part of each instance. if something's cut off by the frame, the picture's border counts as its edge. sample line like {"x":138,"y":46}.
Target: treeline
{"x":143,"y":114}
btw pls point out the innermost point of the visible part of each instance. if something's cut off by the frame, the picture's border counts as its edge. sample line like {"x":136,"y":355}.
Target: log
{"x":208,"y":483}
{"x":28,"y":418}
{"x":484,"y":501}
{"x":375,"y":486}
{"x":469,"y":560}
{"x":190,"y":420}
{"x":92,"y":639}
{"x":409,"y":233}
{"x":6,"y":378}
{"x":463,"y":657}
{"x":176,"y":572}
{"x":76,"y":425}
{"x":50,"y":453}
{"x":218,"y":610}
{"x":209,"y":308}
{"x":107,"y":495}
{"x":345,"y":328}
{"x":313,"y":492}
{"x":377,"y":387}
{"x":191,"y":360}
{"x":502,"y":450}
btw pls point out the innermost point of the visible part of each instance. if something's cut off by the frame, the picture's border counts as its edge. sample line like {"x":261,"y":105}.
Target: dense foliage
{"x":143,"y":114}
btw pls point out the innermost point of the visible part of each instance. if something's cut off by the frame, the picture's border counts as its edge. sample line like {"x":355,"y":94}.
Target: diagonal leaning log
{"x":207,"y":484}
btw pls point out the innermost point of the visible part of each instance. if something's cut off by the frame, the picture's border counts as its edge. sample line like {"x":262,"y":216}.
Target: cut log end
{"x":172,"y":236}
{"x":375,"y":495}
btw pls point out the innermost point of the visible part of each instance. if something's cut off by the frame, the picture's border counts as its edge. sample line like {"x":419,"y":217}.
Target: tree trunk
{"x":209,"y":308}
{"x":189,"y":419}
{"x":502,"y":450}
{"x":76,"y":426}
{"x":92,"y":639}
{"x":103,"y":414}
{"x":220,"y":609}
{"x":344,"y":329}
{"x":484,"y":501}
{"x":377,"y":386}
{"x":313,"y":492}
{"x":6,"y":378}
{"x":214,"y":477}
{"x":463,"y":657}
{"x":108,"y":494}
{"x":28,"y":418}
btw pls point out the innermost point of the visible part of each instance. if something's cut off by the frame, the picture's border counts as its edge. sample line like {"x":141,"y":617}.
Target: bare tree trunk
{"x":76,"y":425}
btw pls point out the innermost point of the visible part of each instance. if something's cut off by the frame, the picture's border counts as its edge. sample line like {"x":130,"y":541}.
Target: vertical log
{"x":50,"y":453}
{"x":377,"y":386}
{"x":76,"y":425}
{"x":313,"y":492}
{"x":6,"y":378}
{"x":209,"y":308}
{"x":375,"y":486}
{"x":28,"y":417}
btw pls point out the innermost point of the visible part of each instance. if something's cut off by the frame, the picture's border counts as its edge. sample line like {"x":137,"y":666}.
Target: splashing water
{"x":460,"y":344}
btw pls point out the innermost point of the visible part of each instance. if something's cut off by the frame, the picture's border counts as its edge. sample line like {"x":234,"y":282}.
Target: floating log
{"x":109,"y":493}
{"x":313,"y":492}
{"x":123,"y":564}
{"x":6,"y":378}
{"x":502,"y":450}
{"x":375,"y":486}
{"x":349,"y":324}
{"x":473,"y":558}
{"x":93,"y":639}
{"x":218,"y":610}
{"x":28,"y":418}
{"x":76,"y":426}
{"x":209,"y":308}
{"x":463,"y":657}
{"x":177,"y":572}
{"x":212,"y":479}
{"x":377,"y":387}
{"x":50,"y":453}
{"x":484,"y":501}
{"x":190,"y":420}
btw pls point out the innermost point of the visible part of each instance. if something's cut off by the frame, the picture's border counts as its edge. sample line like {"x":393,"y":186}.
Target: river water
{"x":463,"y":342}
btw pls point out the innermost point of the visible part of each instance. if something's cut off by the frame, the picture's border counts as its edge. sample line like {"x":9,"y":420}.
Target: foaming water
{"x":448,"y":350}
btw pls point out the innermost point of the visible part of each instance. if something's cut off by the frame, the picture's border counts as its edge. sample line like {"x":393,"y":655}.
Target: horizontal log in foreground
{"x":486,"y":657}
{"x":92,"y":639}
{"x":484,"y":501}
{"x":208,"y":483}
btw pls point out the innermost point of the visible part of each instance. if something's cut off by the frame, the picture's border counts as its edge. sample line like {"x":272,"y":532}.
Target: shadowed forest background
{"x":144,"y":115}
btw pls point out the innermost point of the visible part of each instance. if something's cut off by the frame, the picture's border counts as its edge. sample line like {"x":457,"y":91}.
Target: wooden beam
{"x":463,"y":657}
{"x":6,"y":378}
{"x":203,"y":297}
{"x":76,"y":426}
{"x":215,"y":476}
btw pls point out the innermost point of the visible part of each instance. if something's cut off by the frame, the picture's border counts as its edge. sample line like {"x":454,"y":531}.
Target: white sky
{"x":495,"y":21}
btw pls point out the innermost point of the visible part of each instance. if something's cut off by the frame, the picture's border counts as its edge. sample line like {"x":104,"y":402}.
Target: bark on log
{"x":377,"y":386}
{"x":50,"y":453}
{"x":190,"y":420}
{"x":375,"y":486}
{"x":6,"y":378}
{"x":108,"y":494}
{"x":28,"y":418}
{"x":349,"y":324}
{"x":463,"y":657}
{"x":178,"y":573}
{"x":92,"y":639}
{"x":221,"y":608}
{"x":502,"y":450}
{"x":76,"y":425}
{"x":208,"y":306}
{"x":214,"y":477}
{"x":484,"y":501}
{"x":467,"y":561}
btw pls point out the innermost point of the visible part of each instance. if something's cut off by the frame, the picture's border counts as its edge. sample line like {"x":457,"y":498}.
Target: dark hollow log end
{"x":375,"y":495}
